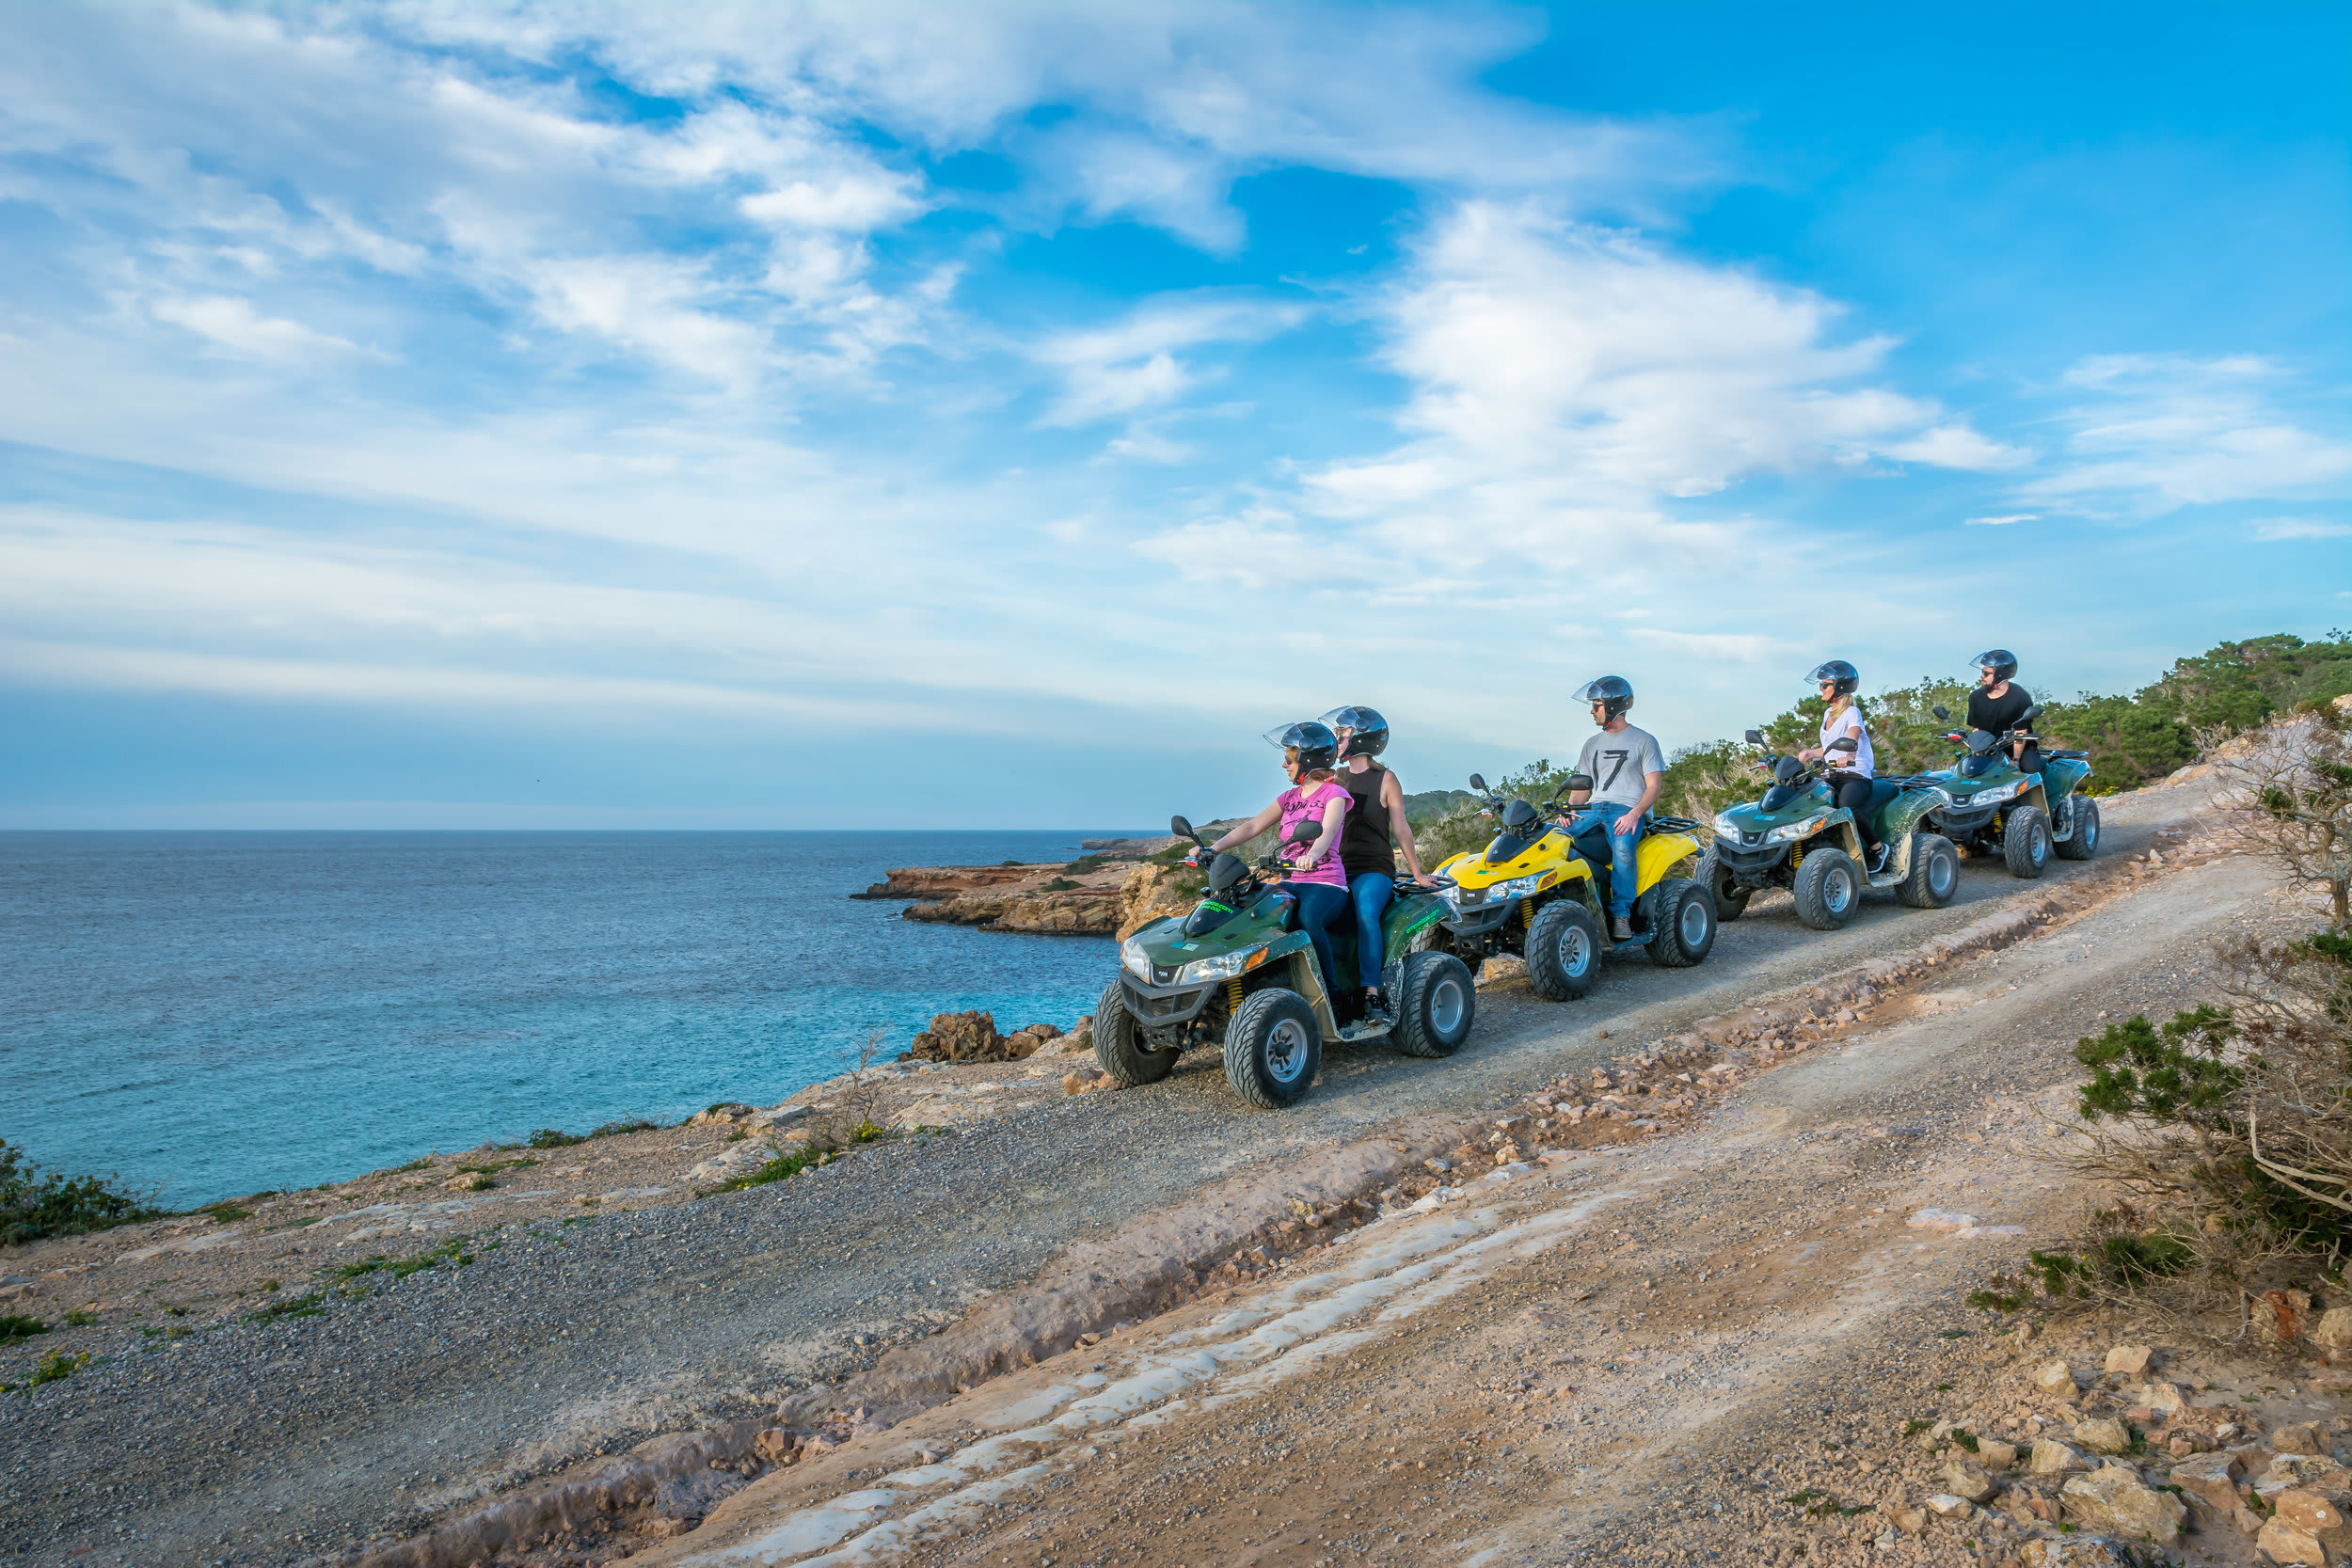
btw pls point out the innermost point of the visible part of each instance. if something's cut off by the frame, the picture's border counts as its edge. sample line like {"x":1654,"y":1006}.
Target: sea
{"x":209,"y":1014}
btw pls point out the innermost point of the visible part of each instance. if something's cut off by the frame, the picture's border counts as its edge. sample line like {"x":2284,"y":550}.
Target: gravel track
{"x":306,"y":1439}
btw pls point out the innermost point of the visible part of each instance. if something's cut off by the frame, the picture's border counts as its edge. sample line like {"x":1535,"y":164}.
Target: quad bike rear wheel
{"x":1731,"y":899}
{"x":2026,"y":842}
{"x":1828,"y":889}
{"x":1119,"y":1043}
{"x":1435,"y":1004}
{"x":2083,"y":842}
{"x":1681,"y":923}
{"x":1563,"y":950}
{"x":1934,"y":873}
{"x":1273,"y":1048}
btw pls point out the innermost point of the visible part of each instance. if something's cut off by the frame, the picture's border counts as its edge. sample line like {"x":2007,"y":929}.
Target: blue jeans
{"x":1319,"y":905}
{"x":1595,"y":824}
{"x":1372,"y":891}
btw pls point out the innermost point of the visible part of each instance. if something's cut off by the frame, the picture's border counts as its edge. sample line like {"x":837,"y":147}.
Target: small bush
{"x":14,"y":1327}
{"x":551,"y":1137}
{"x":35,"y":1203}
{"x":312,"y":1306}
{"x":1059,"y":884}
{"x":80,"y":1317}
{"x":627,"y":1124}
{"x":1085,"y":864}
{"x":782,"y":1168}
{"x":58,"y":1368}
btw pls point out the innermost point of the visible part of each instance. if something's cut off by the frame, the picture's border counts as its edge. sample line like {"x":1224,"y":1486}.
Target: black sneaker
{"x":1877,"y":859}
{"x":1376,"y":1008}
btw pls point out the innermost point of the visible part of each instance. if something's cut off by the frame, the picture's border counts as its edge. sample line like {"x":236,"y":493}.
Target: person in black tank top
{"x":1998,"y":704}
{"x":1375,"y":830}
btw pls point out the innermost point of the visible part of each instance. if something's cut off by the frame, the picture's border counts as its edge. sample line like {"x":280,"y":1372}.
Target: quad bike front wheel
{"x":1681,"y":923}
{"x":1828,"y":889}
{"x":1563,"y":950}
{"x":1435,"y":1004}
{"x":1273,"y":1048}
{"x":2083,"y":842}
{"x":1119,"y":1043}
{"x":1934,"y":873}
{"x":1731,"y":899}
{"x":2026,"y":842}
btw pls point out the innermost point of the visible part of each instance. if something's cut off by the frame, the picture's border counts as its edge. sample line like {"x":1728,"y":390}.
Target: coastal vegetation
{"x":35,"y":1203}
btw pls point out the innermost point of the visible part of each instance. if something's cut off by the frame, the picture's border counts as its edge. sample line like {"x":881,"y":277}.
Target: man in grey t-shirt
{"x":1627,"y":770}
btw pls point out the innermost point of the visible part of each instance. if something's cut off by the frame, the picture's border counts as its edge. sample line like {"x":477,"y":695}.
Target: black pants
{"x":1853,"y":791}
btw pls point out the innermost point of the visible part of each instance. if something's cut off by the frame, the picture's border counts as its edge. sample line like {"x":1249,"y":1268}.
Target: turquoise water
{"x":214,"y":1013}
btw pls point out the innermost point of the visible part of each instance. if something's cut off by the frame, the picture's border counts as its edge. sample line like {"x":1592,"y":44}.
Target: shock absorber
{"x":1232,"y":995}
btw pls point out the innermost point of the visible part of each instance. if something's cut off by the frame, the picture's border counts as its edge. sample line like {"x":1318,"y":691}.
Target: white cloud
{"x":234,"y":326}
{"x":2152,"y":432}
{"x":1133,"y":363}
{"x":2276,"y":529}
{"x":2004,"y":520}
{"x":1569,"y":383}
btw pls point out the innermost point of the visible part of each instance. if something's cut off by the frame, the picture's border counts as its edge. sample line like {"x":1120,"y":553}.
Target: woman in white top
{"x":1849,"y":783}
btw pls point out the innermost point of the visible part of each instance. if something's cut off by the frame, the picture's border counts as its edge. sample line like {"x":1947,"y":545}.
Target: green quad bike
{"x":1796,"y":837}
{"x":1989,"y":804}
{"x":1239,"y":973}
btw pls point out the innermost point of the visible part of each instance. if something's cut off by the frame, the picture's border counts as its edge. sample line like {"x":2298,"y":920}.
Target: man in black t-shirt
{"x":1998,"y":704}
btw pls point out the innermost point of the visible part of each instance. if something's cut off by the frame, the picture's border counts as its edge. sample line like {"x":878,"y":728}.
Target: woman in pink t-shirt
{"x":1309,"y":756}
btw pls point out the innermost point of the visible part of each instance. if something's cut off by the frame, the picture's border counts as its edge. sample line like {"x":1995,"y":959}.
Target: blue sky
{"x":817,"y":415}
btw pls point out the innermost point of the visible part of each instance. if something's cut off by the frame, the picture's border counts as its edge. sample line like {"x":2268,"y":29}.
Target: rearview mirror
{"x":1306,"y":832}
{"x":1942,"y":712}
{"x":2029,"y":715}
{"x":1478,"y":783}
{"x":1181,"y":827}
{"x":1756,"y":738}
{"x":1579,"y":782}
{"x":1845,"y":743}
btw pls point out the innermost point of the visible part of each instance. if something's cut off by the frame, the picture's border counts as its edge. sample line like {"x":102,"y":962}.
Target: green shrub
{"x":550,"y":1137}
{"x":625,"y":1124}
{"x":782,"y":1168}
{"x":55,"y":1369}
{"x":35,"y":1203}
{"x":14,"y":1327}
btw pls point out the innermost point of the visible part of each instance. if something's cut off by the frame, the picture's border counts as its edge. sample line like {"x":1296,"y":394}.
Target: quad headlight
{"x":1804,"y":829}
{"x":1135,"y":961}
{"x":1225,"y":966}
{"x":1727,"y":824}
{"x":1517,"y":887}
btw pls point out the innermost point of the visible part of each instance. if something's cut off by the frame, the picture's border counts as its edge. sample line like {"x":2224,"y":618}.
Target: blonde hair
{"x":1290,"y":760}
{"x":1838,"y":704}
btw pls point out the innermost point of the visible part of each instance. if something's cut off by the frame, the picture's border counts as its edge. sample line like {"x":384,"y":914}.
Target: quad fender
{"x":1402,"y":924}
{"x":1904,"y":813}
{"x":1657,"y":854}
{"x":2063,"y":776}
{"x":2034,"y":796}
{"x":1306,"y":978}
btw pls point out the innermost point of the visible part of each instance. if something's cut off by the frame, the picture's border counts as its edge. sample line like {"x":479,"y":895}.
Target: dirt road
{"x":1633,"y":1355}
{"x":306,"y":1439}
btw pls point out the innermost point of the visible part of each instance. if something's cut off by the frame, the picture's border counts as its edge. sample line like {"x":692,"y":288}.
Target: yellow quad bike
{"x":1532,"y":892}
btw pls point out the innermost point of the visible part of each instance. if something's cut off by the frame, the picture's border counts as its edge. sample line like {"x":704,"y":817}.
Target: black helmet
{"x":1317,"y":746}
{"x":1845,"y":674}
{"x":1367,"y":732}
{"x":1613,"y":691}
{"x":2000,"y":661}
